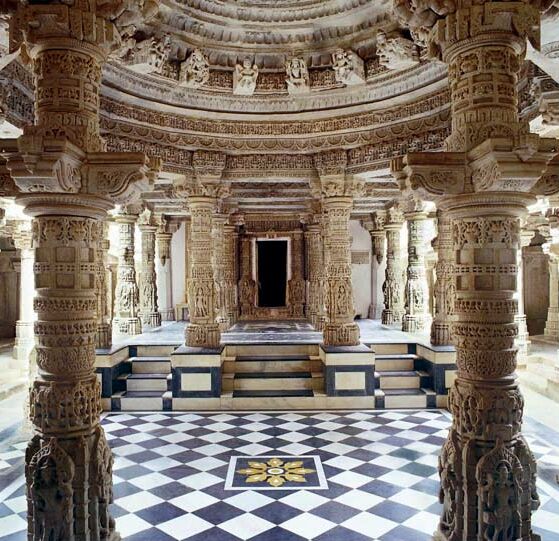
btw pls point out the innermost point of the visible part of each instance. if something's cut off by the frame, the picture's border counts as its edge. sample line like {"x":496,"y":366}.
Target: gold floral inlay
{"x":275,"y":472}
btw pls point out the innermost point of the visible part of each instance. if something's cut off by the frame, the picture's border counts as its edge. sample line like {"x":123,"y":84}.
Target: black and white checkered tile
{"x":380,"y":468}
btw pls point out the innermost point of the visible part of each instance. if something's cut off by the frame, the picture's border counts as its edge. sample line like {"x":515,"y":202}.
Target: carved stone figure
{"x":297,"y":76}
{"x":348,"y":67}
{"x":396,"y":52}
{"x":244,"y":78}
{"x":195,"y":70}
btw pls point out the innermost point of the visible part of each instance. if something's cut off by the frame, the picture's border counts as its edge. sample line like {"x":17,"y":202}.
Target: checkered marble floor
{"x":380,"y":470}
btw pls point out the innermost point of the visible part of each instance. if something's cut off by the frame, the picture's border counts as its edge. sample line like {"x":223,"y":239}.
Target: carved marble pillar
{"x":552,"y":324}
{"x":203,"y":330}
{"x":218,"y":264}
{"x":378,"y":262}
{"x":126,"y":319}
{"x":393,"y":282}
{"x":297,"y":281}
{"x":148,"y":308}
{"x":247,"y":287}
{"x":523,"y":338}
{"x":230,"y":274}
{"x":103,"y":335}
{"x":315,"y":298}
{"x":445,"y":286}
{"x":163,"y":271}
{"x":25,"y":338}
{"x":490,"y":172}
{"x":416,"y":293}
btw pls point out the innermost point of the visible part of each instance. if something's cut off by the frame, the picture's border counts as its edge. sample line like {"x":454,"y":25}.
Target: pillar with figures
{"x":296,"y":285}
{"x":337,"y":189}
{"x":230,"y":298}
{"x":163,"y":238}
{"x":204,"y":190}
{"x":103,"y":339}
{"x":392,"y":289}
{"x":375,"y":227}
{"x":484,"y":180}
{"x":218,"y":265}
{"x":126,"y":320}
{"x":416,"y":292}
{"x":315,"y":297}
{"x":148,"y":298}
{"x":67,"y":183}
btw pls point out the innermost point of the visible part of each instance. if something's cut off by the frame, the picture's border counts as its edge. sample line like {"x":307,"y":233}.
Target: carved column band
{"x":203,"y":330}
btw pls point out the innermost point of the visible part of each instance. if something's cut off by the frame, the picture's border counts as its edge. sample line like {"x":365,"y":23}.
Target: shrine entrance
{"x":271,"y":273}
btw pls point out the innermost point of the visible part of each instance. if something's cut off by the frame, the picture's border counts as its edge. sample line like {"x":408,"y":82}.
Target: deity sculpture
{"x":195,"y":70}
{"x":297,"y":76}
{"x":244,"y":78}
{"x":348,"y":67}
{"x":396,"y":52}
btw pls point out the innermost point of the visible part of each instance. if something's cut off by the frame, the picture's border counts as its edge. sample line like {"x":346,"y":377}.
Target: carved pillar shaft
{"x":103,"y":336}
{"x":149,"y":311}
{"x":297,"y":281}
{"x":485,"y":454}
{"x":416,"y":309}
{"x":164,"y":275}
{"x":378,"y":244}
{"x":218,"y":264}
{"x":445,"y":286}
{"x":25,"y":339}
{"x":340,"y":328}
{"x":127,"y":295}
{"x":552,"y":323}
{"x":315,"y":298}
{"x":202,"y":331}
{"x":392,"y":287}
{"x":68,"y":461}
{"x":247,"y":287}
{"x":523,"y":338}
{"x":230,"y":273}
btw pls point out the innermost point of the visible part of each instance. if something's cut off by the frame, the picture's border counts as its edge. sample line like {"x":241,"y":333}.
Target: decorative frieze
{"x":245,"y":77}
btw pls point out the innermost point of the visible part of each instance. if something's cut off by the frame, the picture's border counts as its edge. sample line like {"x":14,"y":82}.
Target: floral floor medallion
{"x":273,"y":472}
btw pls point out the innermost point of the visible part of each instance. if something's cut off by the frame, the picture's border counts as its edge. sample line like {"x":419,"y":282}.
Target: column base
{"x":152,"y":319}
{"x":345,"y":334}
{"x":552,"y":326}
{"x":440,"y":334}
{"x":103,"y":336}
{"x":127,"y":326}
{"x":167,"y":315}
{"x":390,"y":317}
{"x":205,"y":336}
{"x":413,"y":323}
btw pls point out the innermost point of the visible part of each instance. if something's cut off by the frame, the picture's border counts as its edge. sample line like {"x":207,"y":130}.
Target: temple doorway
{"x":271,"y":272}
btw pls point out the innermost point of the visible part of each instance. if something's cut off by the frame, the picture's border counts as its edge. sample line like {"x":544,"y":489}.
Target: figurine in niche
{"x":348,"y":67}
{"x":297,"y":76}
{"x":395,"y":52}
{"x":195,"y":70}
{"x":244,"y":78}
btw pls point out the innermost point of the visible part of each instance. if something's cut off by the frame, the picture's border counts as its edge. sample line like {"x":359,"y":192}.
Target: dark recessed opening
{"x":272,"y":272}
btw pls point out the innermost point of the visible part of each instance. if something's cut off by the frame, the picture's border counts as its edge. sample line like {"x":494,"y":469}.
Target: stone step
{"x":269,"y":381}
{"x":157,"y":350}
{"x":270,"y":350}
{"x":280,"y":364}
{"x":400,"y":379}
{"x":396,"y":361}
{"x":150,"y":365}
{"x":147,"y":382}
{"x":272,"y":393}
{"x":389,"y":348}
{"x":407,"y":398}
{"x":142,"y":401}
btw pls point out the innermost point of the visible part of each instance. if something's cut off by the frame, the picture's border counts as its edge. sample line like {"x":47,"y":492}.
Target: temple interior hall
{"x":279,"y":270}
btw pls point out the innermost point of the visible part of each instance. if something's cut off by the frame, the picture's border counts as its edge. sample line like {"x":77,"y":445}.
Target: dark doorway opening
{"x":272,"y":272}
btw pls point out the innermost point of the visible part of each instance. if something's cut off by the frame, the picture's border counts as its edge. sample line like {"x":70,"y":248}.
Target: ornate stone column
{"x":247,"y":287}
{"x":218,"y":264}
{"x":392,"y":287}
{"x":523,"y":338}
{"x":337,"y":201}
{"x":416,"y":309}
{"x":230,"y":274}
{"x":25,"y":339}
{"x":297,"y":282}
{"x":485,"y":179}
{"x":204,"y":192}
{"x":445,"y":286}
{"x":552,"y":248}
{"x":163,"y":239}
{"x":315,"y":299}
{"x":103,"y":335}
{"x":148,"y":308}
{"x":378,"y":248}
{"x":126,"y":321}
{"x":67,"y":184}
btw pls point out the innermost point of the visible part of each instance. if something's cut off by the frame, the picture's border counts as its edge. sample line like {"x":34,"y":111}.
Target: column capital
{"x":146,"y":220}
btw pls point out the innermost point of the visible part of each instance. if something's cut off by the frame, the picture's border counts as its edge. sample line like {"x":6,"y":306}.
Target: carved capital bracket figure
{"x":67,"y":183}
{"x":149,"y":310}
{"x":337,"y":189}
{"x":205,"y":190}
{"x":392,"y":287}
{"x":416,"y":312}
{"x":491,"y":172}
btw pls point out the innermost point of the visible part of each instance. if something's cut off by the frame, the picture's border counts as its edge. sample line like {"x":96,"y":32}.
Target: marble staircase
{"x":146,"y":385}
